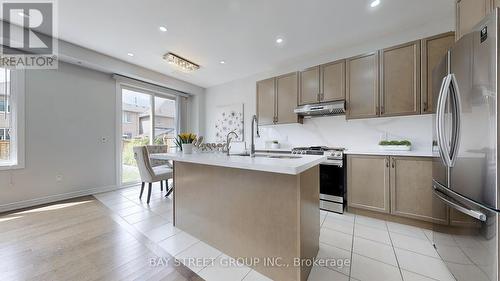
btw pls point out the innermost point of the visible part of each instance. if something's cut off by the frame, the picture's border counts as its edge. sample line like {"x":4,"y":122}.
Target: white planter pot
{"x":395,"y":147}
{"x":187,"y":148}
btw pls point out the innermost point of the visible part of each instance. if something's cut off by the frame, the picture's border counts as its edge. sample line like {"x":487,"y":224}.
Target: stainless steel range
{"x":332,"y":176}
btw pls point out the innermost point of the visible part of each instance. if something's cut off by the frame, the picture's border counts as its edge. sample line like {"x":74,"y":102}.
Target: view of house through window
{"x":5,"y":116}
{"x":136,"y":126}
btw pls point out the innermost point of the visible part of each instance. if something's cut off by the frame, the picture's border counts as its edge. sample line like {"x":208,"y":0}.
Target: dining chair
{"x":154,"y":149}
{"x":147,"y":172}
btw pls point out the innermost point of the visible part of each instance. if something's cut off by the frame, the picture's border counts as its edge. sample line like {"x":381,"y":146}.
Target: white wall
{"x":67,"y":112}
{"x":334,"y":131}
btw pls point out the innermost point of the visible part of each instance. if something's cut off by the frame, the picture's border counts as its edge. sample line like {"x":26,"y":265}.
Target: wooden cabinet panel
{"x":362,"y":90}
{"x":266,"y":101}
{"x":286,"y":98}
{"x":309,"y":85}
{"x":333,"y":81}
{"x":411,"y":190}
{"x":469,"y":13}
{"x":433,"y":51}
{"x":400,"y":80}
{"x":368,"y":182}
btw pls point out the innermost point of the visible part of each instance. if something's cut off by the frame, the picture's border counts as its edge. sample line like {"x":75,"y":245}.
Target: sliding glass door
{"x":141,"y":125}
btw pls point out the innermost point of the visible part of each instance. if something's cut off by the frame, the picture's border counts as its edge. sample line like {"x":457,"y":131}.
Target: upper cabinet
{"x":433,"y":51}
{"x":362,"y":90}
{"x":396,"y":81}
{"x":471,"y":12}
{"x":277,"y":99}
{"x":266,"y":96}
{"x":309,"y":85}
{"x":286,"y":98}
{"x":322,"y":83}
{"x":333,"y":81}
{"x":400,"y":80}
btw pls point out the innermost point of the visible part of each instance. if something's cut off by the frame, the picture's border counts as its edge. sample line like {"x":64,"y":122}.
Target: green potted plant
{"x":403,"y":145}
{"x":185,"y":142}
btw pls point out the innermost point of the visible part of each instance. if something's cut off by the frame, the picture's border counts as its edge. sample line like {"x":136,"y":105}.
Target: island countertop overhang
{"x":292,"y":166}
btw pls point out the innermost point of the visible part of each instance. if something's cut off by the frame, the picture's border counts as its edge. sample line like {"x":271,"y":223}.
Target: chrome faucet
{"x":255,"y":122}
{"x":228,"y":140}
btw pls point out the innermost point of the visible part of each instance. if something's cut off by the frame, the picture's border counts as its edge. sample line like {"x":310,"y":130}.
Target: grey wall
{"x":67,"y":112}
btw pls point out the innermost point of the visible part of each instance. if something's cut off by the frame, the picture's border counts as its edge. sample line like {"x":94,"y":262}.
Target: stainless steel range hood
{"x":331,"y":108}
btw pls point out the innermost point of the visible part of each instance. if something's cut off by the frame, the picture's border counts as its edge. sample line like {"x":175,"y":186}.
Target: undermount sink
{"x":270,"y":156}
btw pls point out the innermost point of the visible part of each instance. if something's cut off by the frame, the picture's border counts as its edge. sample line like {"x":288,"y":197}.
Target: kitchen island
{"x":263,"y":210}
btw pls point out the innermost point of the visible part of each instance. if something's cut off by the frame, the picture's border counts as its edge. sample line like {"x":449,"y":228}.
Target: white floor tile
{"x":375,"y":250}
{"x":407,"y":230}
{"x":366,"y":269}
{"x":443,"y":239}
{"x":198,"y":256}
{"x":467,"y":272}
{"x":452,"y":254}
{"x":319,"y":273}
{"x":140,"y":216}
{"x":338,"y":225}
{"x":130,"y":210}
{"x":414,"y":244}
{"x":371,"y":222}
{"x":335,"y":238}
{"x":255,"y":276}
{"x":371,"y":233}
{"x":162,"y":232}
{"x":345,"y":216}
{"x":424,"y":265}
{"x":410,"y":276}
{"x":150,"y":223}
{"x":340,"y":256}
{"x":177,"y":243}
{"x":224,"y":270}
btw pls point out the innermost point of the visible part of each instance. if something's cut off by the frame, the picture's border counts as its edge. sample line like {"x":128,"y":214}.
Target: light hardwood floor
{"x":79,"y":239}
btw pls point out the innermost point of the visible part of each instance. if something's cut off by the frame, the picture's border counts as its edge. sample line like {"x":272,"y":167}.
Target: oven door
{"x":332,"y":183}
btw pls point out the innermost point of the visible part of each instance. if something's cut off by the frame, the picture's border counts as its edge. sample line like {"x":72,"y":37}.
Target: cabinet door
{"x":309,"y":85}
{"x":266,"y":91}
{"x":433,"y":51}
{"x":469,"y":13}
{"x":368,"y":182}
{"x":333,"y":81}
{"x":362,"y":90}
{"x":411,"y":190}
{"x":400,"y":80}
{"x":286,"y":98}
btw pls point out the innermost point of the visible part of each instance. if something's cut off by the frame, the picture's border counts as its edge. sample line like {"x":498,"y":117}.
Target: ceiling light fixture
{"x":222,"y":62}
{"x":163,"y":29}
{"x":130,"y":54}
{"x":375,"y":3}
{"x":181,"y":62}
{"x":279,"y":40}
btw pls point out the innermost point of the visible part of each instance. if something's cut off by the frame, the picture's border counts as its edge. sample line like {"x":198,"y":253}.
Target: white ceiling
{"x":240,"y":32}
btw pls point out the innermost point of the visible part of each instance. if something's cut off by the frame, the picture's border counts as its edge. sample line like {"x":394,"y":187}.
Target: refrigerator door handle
{"x":440,"y":110}
{"x":457,"y":126}
{"x":455,"y":205}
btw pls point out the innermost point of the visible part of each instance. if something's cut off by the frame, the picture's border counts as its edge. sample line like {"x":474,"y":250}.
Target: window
{"x":127,"y":117}
{"x":11,"y":119}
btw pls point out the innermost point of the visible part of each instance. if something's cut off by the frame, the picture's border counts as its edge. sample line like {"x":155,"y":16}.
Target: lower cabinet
{"x":411,"y":190}
{"x":368,"y":182}
{"x":400,"y":186}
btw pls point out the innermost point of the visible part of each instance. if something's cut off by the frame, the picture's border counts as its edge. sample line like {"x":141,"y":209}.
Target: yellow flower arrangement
{"x":184,"y":138}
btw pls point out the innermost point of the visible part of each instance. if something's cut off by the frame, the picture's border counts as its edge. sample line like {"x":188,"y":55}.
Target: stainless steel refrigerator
{"x":465,"y":169}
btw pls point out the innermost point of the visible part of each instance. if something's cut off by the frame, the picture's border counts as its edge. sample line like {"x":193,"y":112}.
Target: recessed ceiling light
{"x":130,"y":54}
{"x":163,"y":29}
{"x":222,"y":62}
{"x":279,"y":40}
{"x":375,"y":3}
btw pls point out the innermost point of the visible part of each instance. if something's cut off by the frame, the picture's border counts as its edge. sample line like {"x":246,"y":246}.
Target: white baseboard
{"x":57,"y":197}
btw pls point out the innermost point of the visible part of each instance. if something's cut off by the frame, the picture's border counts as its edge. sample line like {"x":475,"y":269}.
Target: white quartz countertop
{"x":273,"y":165}
{"x":417,"y":153}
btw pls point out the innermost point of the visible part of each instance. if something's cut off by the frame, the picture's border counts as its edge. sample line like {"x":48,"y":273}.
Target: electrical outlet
{"x":59,"y":178}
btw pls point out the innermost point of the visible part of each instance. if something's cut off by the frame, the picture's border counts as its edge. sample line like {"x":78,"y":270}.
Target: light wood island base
{"x":251,"y":214}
